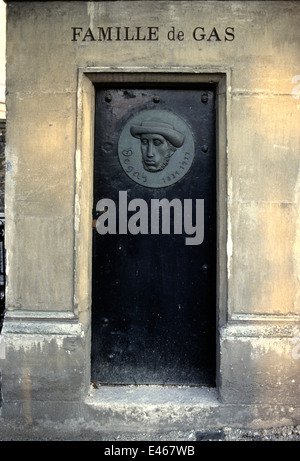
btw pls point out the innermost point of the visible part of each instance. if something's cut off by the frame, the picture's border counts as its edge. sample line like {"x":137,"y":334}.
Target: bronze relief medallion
{"x":156,"y":148}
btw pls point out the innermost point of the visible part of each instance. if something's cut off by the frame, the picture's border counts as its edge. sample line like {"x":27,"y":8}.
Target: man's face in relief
{"x":156,"y":152}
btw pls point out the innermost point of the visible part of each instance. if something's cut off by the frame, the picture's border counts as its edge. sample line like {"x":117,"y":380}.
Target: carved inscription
{"x":199,"y":33}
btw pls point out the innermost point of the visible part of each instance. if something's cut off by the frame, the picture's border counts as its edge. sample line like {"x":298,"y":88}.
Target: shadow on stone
{"x":209,"y":436}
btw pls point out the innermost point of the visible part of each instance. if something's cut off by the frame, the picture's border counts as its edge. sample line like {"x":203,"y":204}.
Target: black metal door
{"x":154,"y":294}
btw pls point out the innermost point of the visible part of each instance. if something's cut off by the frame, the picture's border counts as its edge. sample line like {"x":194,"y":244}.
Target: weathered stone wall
{"x":55,"y":51}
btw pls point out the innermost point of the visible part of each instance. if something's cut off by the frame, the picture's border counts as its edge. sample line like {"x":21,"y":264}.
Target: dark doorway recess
{"x":154,"y":296}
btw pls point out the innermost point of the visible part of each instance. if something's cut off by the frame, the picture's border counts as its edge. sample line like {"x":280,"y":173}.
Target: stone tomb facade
{"x":58,"y":55}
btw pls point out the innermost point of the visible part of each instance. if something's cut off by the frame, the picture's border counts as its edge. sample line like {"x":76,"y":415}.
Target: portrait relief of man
{"x":159,"y":141}
{"x":156,"y":148}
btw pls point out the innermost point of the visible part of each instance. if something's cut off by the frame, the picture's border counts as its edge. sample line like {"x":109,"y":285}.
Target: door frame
{"x":84,"y":169}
